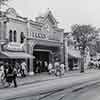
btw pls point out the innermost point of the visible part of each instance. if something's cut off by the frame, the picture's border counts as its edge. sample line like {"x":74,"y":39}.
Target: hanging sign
{"x":14,"y":47}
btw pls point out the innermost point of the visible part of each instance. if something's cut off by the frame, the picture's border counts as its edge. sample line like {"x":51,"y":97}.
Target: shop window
{"x":15,"y":36}
{"x":22,"y":37}
{"x":10,"y":36}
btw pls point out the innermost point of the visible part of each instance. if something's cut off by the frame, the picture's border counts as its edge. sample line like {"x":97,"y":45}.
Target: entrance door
{"x":41,"y":56}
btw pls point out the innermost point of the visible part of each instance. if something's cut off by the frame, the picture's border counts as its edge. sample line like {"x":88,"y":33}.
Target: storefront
{"x":14,"y":52}
{"x":39,"y":40}
{"x":46,"y":40}
{"x":74,"y":59}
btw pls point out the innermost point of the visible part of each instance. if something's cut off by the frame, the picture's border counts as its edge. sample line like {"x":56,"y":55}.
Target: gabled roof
{"x":47,"y":15}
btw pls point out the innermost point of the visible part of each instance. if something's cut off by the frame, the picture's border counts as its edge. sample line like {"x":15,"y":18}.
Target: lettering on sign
{"x":39,"y":35}
{"x":14,"y":47}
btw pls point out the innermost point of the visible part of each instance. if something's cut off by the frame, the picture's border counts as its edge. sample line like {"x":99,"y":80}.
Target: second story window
{"x":22,"y":37}
{"x":10,"y":36}
{"x":15,"y":36}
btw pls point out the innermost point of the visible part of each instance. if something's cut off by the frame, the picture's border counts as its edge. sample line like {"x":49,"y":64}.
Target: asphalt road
{"x":58,"y":89}
{"x":91,"y":92}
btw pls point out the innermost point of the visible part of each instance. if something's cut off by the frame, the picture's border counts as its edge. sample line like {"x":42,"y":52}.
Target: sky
{"x":66,"y":12}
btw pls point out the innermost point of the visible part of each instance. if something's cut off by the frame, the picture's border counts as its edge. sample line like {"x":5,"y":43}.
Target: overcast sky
{"x":66,"y":12}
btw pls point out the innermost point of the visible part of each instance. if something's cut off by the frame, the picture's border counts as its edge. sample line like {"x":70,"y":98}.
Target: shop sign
{"x":39,"y":35}
{"x":14,"y":47}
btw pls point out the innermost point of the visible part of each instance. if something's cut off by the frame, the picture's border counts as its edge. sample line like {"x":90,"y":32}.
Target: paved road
{"x":87,"y":93}
{"x":91,"y":92}
{"x":48,"y":87}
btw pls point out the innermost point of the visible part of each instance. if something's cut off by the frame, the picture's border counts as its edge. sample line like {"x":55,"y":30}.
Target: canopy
{"x":15,"y":55}
{"x":74,"y":53}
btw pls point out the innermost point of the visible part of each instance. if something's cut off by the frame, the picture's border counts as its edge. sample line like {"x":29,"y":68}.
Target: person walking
{"x":57,"y":68}
{"x":62,"y":68}
{"x":50,"y":67}
{"x":23,"y":69}
{"x":40,"y":66}
{"x":11,"y":75}
{"x":14,"y":77}
{"x":46,"y":66}
{"x":5,"y":71}
{"x":2,"y":74}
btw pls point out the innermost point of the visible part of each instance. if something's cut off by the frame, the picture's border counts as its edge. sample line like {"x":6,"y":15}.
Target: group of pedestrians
{"x":56,"y":68}
{"x":9,"y":72}
{"x":21,"y":68}
{"x":94,"y":64}
{"x":40,"y":66}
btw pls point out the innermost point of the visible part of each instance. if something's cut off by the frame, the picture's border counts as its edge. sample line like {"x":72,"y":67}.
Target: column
{"x":31,"y":60}
{"x":4,"y":30}
{"x":62,"y":53}
{"x":0,"y":30}
{"x":28,"y":29}
{"x":66,"y":53}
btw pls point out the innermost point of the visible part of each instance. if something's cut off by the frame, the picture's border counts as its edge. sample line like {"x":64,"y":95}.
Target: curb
{"x":54,"y":78}
{"x":85,"y":85}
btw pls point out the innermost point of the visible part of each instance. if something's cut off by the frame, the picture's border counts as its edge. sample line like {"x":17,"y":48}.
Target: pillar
{"x":66,"y":53}
{"x":62,"y":53}
{"x":31,"y":61}
{"x":4,"y":30}
{"x":0,"y":30}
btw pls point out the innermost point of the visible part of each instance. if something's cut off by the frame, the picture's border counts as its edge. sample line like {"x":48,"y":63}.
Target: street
{"x":52,"y":89}
{"x":88,"y":93}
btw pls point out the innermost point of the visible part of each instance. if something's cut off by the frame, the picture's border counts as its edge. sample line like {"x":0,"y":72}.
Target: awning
{"x":15,"y":55}
{"x":74,"y":53}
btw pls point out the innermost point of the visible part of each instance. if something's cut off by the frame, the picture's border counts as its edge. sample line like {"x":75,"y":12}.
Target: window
{"x":15,"y":37}
{"x":10,"y":35}
{"x":22,"y":37}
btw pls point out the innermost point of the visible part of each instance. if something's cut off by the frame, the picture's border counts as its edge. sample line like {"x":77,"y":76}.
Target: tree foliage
{"x":3,"y":2}
{"x":84,"y":35}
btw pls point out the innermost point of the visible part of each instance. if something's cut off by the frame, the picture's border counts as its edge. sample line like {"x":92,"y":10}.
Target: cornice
{"x":17,"y":20}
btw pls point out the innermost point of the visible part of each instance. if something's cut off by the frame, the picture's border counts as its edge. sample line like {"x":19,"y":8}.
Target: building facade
{"x":72,"y":54}
{"x":41,"y":39}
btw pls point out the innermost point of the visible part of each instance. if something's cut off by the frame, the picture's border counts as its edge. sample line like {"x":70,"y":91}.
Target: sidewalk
{"x":46,"y":77}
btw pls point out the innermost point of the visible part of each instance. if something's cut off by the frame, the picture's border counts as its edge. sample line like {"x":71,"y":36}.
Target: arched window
{"x":10,"y":35}
{"x":22,"y":37}
{"x":15,"y":36}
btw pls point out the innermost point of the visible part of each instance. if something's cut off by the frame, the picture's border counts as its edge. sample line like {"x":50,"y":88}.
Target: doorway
{"x":41,"y":57}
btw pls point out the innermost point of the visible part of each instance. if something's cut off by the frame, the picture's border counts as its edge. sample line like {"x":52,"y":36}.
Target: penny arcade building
{"x":30,"y":40}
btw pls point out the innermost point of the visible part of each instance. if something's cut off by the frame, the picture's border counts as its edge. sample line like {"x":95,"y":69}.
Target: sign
{"x":39,"y":35}
{"x":14,"y":47}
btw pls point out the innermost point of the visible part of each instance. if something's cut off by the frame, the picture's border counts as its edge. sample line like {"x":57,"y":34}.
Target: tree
{"x":84,"y":36}
{"x":3,"y":2}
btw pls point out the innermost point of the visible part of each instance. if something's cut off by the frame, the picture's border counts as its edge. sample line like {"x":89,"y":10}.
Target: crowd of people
{"x":9,"y":72}
{"x":57,"y":68}
{"x":94,"y":63}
